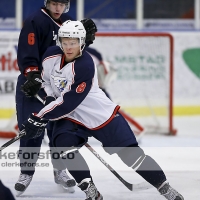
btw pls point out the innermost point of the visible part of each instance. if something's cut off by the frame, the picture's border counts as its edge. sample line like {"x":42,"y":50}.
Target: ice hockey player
{"x":38,"y":33}
{"x":81,"y":109}
{"x":5,"y":192}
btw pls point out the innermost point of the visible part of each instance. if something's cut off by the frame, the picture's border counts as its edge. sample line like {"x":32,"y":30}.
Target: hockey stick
{"x":22,"y":133}
{"x":130,"y":186}
{"x":140,"y":186}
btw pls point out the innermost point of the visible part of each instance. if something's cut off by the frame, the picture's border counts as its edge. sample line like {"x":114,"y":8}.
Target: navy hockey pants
{"x":114,"y":136}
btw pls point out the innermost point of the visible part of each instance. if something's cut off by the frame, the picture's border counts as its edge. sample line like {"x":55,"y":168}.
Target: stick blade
{"x":141,"y":186}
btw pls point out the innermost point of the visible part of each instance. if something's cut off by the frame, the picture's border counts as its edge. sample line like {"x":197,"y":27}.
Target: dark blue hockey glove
{"x":91,"y":29}
{"x":34,"y":127}
{"x":49,"y":99}
{"x":33,"y":83}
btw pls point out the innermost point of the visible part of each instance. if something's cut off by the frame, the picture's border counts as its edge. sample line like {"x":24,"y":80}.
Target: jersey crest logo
{"x":62,"y":85}
{"x":81,"y":87}
{"x":59,"y":82}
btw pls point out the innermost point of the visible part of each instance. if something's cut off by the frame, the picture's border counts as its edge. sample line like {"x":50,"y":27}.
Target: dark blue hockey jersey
{"x":5,"y":193}
{"x":38,"y":33}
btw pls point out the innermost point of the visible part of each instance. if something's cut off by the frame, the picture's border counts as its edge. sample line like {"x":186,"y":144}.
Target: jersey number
{"x":31,"y":38}
{"x":81,"y":87}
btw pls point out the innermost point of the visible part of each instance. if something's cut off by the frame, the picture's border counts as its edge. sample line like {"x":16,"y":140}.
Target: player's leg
{"x":60,"y":175}
{"x":29,"y":148}
{"x":66,"y":136}
{"x":133,"y":156}
{"x":25,"y":106}
{"x":117,"y":137}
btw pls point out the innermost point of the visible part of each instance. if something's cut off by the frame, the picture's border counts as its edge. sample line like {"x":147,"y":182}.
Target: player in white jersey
{"x":81,"y":109}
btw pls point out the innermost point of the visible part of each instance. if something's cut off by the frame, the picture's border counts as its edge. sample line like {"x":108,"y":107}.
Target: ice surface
{"x":179,"y":156}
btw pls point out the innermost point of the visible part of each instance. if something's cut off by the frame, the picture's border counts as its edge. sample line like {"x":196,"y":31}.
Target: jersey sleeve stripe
{"x":73,"y":71}
{"x":50,"y":109}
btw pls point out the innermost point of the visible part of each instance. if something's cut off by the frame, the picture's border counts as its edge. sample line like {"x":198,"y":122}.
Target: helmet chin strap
{"x":81,"y":49}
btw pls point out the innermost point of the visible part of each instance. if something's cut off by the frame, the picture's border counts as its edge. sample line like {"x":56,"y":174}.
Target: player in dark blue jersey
{"x":70,"y":77}
{"x":38,"y":33}
{"x":5,"y":193}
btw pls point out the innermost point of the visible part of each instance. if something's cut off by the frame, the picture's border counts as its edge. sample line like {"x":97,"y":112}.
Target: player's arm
{"x":28,"y":57}
{"x":72,"y":96}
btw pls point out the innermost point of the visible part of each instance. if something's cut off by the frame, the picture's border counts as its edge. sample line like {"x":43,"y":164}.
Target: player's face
{"x":56,"y":9}
{"x":71,"y":48}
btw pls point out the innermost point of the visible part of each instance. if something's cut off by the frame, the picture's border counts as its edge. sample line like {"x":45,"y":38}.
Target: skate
{"x":90,"y":189}
{"x":169,"y":193}
{"x":61,"y":178}
{"x":22,"y":183}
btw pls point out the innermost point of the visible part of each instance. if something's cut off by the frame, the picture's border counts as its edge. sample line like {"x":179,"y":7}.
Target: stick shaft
{"x":128,"y":185}
{"x":22,"y":133}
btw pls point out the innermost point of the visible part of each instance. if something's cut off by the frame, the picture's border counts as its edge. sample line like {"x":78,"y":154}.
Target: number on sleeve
{"x":31,"y":38}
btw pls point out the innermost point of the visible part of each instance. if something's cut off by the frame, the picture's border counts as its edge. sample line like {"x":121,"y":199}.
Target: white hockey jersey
{"x":75,"y":87}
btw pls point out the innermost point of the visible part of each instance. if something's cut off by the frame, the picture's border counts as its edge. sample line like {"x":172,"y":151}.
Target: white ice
{"x":178,"y":155}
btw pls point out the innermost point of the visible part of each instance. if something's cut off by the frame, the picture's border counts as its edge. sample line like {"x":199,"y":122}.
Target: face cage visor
{"x":81,"y":43}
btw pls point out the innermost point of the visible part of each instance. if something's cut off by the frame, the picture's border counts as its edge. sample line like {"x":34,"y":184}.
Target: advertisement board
{"x":134,"y":70}
{"x":8,"y":71}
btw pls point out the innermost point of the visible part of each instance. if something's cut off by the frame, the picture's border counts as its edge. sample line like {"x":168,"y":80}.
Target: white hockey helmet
{"x":66,"y":2}
{"x":72,"y":29}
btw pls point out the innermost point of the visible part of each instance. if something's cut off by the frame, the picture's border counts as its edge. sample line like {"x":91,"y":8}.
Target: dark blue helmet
{"x":67,"y":2}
